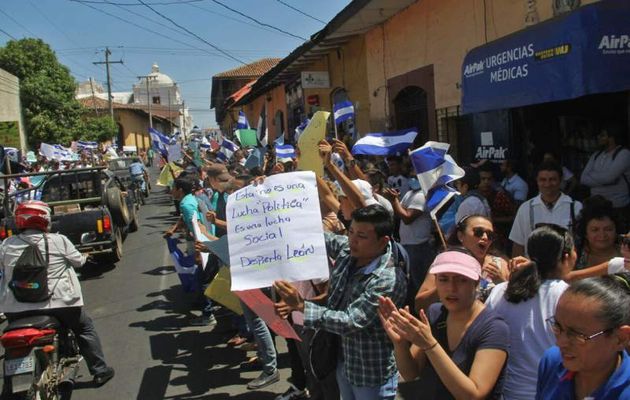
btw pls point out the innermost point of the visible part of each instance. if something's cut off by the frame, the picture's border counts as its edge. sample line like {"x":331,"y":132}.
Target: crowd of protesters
{"x":527,"y":296}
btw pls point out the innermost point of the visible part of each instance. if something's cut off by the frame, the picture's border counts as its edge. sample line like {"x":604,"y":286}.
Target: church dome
{"x":160,"y":78}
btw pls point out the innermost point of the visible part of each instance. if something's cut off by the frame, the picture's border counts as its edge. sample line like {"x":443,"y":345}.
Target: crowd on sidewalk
{"x":525,"y":298}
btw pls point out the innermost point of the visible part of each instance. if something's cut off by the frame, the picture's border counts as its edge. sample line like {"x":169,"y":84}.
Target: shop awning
{"x":584,"y":52}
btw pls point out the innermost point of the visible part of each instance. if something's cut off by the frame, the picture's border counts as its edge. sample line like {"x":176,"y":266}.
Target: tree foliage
{"x":99,"y":129}
{"x":47,"y":93}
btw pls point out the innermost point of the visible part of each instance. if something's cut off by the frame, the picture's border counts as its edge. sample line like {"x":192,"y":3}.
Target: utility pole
{"x":148,"y":79}
{"x":93,"y":96}
{"x":109,"y":81}
{"x":184,"y":120}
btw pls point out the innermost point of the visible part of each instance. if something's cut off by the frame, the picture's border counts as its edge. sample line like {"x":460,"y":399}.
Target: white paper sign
{"x":275,"y":232}
{"x":200,"y":237}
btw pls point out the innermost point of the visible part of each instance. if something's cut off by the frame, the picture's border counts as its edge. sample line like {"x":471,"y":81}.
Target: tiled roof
{"x":253,"y":70}
{"x":157,"y":110}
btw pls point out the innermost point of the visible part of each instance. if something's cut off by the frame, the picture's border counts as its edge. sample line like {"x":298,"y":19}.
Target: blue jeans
{"x":266,"y":350}
{"x":348,"y":391}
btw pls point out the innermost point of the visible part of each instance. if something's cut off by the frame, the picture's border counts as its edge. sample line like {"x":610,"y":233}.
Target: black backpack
{"x":29,"y":282}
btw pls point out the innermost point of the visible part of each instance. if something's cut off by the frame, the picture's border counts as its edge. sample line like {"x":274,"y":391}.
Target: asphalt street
{"x":142,"y":317}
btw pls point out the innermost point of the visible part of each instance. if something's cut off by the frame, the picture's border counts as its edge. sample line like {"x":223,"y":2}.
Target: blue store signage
{"x":584,"y":52}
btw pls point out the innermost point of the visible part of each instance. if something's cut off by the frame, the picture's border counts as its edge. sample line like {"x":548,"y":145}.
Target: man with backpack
{"x":607,"y":172}
{"x":38,"y":278}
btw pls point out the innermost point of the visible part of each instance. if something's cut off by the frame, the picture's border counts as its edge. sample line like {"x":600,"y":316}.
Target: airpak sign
{"x":584,"y":52}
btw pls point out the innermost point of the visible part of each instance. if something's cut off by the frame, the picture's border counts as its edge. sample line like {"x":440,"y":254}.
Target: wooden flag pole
{"x":439,"y":231}
{"x":335,"y":124}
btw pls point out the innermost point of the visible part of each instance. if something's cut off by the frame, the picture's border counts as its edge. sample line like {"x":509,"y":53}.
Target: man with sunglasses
{"x":550,"y":206}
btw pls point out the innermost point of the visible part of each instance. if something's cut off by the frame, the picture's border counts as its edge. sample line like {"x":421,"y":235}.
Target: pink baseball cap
{"x":456,"y":262}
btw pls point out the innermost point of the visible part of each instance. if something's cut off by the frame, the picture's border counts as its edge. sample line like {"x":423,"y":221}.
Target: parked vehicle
{"x":41,"y":359}
{"x":90,"y":206}
{"x":120,"y":168}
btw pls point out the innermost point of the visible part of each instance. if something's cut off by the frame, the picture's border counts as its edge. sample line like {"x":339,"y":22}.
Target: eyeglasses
{"x":573,"y":336}
{"x":479,"y":231}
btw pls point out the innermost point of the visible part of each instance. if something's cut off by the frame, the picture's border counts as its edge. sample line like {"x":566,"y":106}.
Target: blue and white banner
{"x":242,"y":122}
{"x":56,"y":152}
{"x":581,"y":53}
{"x":385,"y":144}
{"x":184,"y":266}
{"x":435,"y":169}
{"x":85,"y":145}
{"x":343,"y":111}
{"x":285,"y":151}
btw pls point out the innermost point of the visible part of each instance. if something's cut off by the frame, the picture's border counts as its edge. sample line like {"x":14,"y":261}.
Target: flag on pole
{"x":242,"y":122}
{"x":227,"y":150}
{"x":343,"y":111}
{"x":435,"y":169}
{"x":385,"y":144}
{"x":285,"y":151}
{"x":261,"y":128}
{"x":159,"y":142}
{"x":185,"y":267}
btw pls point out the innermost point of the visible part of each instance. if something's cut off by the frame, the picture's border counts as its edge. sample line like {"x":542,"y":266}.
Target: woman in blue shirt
{"x":592,"y":329}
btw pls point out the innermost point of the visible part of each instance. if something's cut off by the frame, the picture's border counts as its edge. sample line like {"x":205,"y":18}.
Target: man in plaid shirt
{"x":365,"y":268}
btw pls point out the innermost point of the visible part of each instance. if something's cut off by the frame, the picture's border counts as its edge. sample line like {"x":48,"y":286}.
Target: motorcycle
{"x":41,"y":359}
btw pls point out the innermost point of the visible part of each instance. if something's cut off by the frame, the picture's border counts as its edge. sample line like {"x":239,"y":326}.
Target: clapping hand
{"x":412,"y":329}
{"x":386,"y":308}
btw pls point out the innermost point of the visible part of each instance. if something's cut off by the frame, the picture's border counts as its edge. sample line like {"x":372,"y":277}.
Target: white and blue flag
{"x":12,"y":153}
{"x":242,"y":122}
{"x":285,"y":151}
{"x":227,"y":150}
{"x":55,"y":152}
{"x":85,"y":145}
{"x":300,"y":129}
{"x":385,"y":144}
{"x":343,"y":111}
{"x":435,"y":169}
{"x":159,"y":142}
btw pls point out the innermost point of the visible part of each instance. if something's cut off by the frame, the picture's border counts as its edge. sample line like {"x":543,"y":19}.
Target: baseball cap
{"x":218,"y":171}
{"x":456,"y":262}
{"x":364,"y":187}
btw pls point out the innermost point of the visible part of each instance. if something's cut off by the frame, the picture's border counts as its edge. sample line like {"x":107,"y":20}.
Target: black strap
{"x":47,"y":251}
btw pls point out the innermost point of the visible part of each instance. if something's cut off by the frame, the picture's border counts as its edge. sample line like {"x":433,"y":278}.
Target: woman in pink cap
{"x":458,"y":348}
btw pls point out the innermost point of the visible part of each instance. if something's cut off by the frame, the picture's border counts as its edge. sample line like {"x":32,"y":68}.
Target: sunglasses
{"x":479,"y":231}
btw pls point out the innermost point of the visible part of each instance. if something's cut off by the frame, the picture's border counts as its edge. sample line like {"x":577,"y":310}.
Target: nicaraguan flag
{"x":159,"y":142}
{"x":300,"y":129}
{"x":261,"y":128}
{"x":343,"y":111}
{"x":205,"y":144}
{"x":227,"y":150}
{"x":185,"y":267}
{"x":435,"y":169}
{"x":385,"y":144}
{"x":85,"y":145}
{"x":242,"y":121}
{"x":285,"y":151}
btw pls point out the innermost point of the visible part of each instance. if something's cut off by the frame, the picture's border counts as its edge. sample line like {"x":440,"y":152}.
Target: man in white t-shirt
{"x":551,"y":206}
{"x":397,"y":179}
{"x":414,"y":231}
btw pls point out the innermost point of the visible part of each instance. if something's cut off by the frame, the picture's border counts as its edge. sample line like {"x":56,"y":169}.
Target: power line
{"x":136,"y":4}
{"x":233,"y":19}
{"x":255,"y":20}
{"x":192,"y":33}
{"x":141,"y":27}
{"x":301,"y":12}
{"x":18,"y":24}
{"x":8,"y":34}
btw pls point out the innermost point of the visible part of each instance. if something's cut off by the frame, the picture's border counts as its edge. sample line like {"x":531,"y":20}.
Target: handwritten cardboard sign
{"x":308,"y":144}
{"x":275,"y":232}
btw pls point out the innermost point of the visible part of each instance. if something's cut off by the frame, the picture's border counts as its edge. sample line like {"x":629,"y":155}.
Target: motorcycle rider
{"x":138,"y":174}
{"x":66,"y":302}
